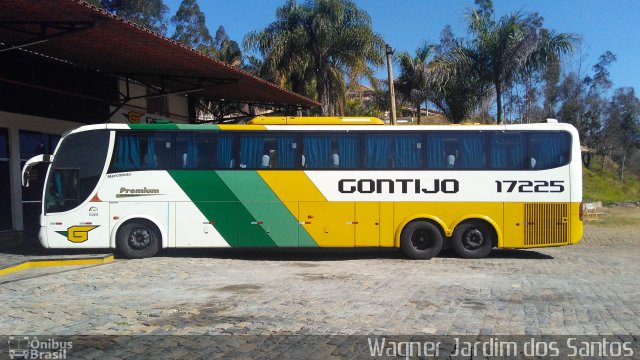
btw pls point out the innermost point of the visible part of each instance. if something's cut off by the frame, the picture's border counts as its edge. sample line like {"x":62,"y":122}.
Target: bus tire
{"x":421,"y":240}
{"x":138,"y":239}
{"x":472,"y":239}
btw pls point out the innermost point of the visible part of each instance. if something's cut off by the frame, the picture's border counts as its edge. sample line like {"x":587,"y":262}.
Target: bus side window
{"x":507,"y":151}
{"x":158,"y":152}
{"x":549,"y":149}
{"x":224,"y":158}
{"x":127,"y":155}
{"x":317,"y":151}
{"x":186,"y":151}
{"x":471,"y":146}
{"x":285,"y":148}
{"x":393,"y":151}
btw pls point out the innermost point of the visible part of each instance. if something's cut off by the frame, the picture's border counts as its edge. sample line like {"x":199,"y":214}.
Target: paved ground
{"x":591,"y":288}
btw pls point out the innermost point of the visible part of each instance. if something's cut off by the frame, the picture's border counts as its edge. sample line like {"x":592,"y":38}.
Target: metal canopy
{"x":76,"y":32}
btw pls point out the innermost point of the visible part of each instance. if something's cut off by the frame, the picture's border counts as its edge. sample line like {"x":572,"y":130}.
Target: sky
{"x":603,"y":25}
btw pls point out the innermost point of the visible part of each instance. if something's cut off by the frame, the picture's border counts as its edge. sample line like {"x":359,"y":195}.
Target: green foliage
{"x":148,"y":13}
{"x":354,"y":107}
{"x":190,"y":27}
{"x":225,"y":49}
{"x":321,"y":42}
{"x":413,"y":79}
{"x":498,"y":53}
{"x":605,"y":185}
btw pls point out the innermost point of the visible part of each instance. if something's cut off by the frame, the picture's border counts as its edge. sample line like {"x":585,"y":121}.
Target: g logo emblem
{"x":78,"y":233}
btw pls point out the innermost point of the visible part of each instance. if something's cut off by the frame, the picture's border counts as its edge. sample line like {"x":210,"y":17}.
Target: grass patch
{"x":605,"y":186}
{"x":619,"y":216}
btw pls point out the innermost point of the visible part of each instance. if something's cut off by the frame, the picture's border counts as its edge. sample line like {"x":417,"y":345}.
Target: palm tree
{"x":513,"y":45}
{"x":319,"y":43}
{"x":412,"y":82}
{"x":499,"y":52}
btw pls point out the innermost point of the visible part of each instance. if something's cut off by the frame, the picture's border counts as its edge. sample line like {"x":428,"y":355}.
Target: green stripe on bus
{"x":266,"y":207}
{"x":198,"y":126}
{"x":220,"y":205}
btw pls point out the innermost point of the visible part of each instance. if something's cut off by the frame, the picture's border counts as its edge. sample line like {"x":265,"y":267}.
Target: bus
{"x":313,"y":182}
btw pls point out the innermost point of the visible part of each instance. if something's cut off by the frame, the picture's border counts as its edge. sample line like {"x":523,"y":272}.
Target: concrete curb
{"x":33,"y":263}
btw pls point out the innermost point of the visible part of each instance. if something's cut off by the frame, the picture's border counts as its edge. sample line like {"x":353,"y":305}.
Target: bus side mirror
{"x":30,"y":163}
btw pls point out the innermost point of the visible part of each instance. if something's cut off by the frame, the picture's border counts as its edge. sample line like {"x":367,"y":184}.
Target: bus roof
{"x":312,"y":124}
{"x":314,"y":120}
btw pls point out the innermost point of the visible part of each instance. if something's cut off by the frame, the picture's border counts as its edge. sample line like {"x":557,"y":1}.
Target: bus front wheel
{"x":421,"y":240}
{"x":138,"y":239}
{"x":472,"y":240}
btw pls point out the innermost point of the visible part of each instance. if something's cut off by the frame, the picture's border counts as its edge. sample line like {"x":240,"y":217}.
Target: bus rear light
{"x":581,"y":213}
{"x":257,"y":222}
{"x":116,"y":218}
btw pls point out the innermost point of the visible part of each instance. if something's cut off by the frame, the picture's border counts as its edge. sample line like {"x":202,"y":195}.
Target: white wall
{"x":137,"y":108}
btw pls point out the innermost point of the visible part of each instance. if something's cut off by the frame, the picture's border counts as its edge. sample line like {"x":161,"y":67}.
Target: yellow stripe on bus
{"x":292,"y":185}
{"x":242,"y":127}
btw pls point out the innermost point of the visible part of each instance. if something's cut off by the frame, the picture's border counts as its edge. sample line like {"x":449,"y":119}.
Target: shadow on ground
{"x":277,"y":254}
{"x":331,"y":254}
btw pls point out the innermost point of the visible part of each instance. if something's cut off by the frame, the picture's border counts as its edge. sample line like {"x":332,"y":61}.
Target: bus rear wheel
{"x":421,"y":240}
{"x":472,"y":240}
{"x":138,"y":239}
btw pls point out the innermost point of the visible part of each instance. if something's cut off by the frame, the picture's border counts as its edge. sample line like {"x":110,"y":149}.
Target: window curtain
{"x":551,"y":150}
{"x":128,"y":156}
{"x":348,"y":152}
{"x":406,"y":152}
{"x":317,"y":152}
{"x":192,"y":152}
{"x":472,"y":151}
{"x":150,"y":161}
{"x":224,"y":152}
{"x":377,"y":151}
{"x":251,"y":151}
{"x":435,"y":151}
{"x":507,"y":151}
{"x":286,"y":152}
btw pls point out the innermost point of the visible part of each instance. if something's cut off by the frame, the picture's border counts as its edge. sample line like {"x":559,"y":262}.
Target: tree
{"x":412,"y":82}
{"x":225,"y":49}
{"x":501,"y":51}
{"x":320,"y":42}
{"x":454,"y":83}
{"x":551,"y":77}
{"x":190,"y":27}
{"x":623,"y":121}
{"x":147,"y":13}
{"x":583,"y":104}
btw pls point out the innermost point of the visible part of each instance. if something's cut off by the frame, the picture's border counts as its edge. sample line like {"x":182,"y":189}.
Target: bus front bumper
{"x":42,"y":236}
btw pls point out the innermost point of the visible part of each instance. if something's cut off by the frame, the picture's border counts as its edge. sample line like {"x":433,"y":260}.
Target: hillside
{"x":605,"y":185}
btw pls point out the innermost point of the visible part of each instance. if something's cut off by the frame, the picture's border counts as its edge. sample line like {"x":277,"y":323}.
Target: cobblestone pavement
{"x":590,"y":288}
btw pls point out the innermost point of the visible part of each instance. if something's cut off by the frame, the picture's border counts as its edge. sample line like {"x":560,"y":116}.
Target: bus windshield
{"x":76,"y":170}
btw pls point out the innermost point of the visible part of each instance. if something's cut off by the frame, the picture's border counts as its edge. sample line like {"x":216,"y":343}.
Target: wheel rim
{"x":421,"y":239}
{"x":473,"y":239}
{"x":139,"y":238}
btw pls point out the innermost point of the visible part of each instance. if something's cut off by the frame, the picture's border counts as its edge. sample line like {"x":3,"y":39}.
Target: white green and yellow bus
{"x":313,"y":182}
